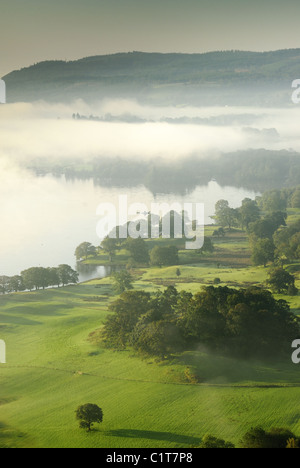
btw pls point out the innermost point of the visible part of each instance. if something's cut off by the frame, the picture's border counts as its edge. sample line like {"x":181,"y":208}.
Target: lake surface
{"x":44,"y":219}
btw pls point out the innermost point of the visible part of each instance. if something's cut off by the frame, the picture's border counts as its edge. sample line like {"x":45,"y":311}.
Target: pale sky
{"x":35,"y":30}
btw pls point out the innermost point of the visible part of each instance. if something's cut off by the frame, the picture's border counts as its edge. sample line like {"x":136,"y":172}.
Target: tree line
{"x":245,"y":323}
{"x":139,"y":251}
{"x":36,"y":278}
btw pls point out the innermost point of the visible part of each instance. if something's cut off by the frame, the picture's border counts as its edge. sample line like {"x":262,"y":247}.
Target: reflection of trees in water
{"x":257,"y":170}
{"x":87,"y":272}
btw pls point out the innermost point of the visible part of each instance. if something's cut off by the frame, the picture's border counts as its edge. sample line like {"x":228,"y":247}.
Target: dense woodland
{"x":229,"y":77}
{"x":241,"y":323}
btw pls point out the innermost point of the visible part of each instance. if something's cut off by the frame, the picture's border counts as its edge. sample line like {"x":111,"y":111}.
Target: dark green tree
{"x":88,"y":415}
{"x":281,"y":280}
{"x":164,"y":256}
{"x":257,"y":437}
{"x":266,"y":227}
{"x":125,"y":313}
{"x":211,"y":442}
{"x":263,"y":252}
{"x":138,"y":250}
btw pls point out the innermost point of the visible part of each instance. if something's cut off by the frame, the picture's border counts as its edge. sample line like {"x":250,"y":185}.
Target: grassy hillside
{"x":55,"y":363}
{"x":218,"y":76}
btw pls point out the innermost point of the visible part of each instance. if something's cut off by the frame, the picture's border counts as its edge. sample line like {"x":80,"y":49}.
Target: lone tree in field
{"x":89,"y":414}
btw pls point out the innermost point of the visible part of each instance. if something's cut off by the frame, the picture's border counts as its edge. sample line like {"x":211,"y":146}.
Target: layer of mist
{"x":42,"y":130}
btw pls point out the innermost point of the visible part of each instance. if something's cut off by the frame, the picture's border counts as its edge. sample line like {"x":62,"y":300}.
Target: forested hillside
{"x":230,"y":77}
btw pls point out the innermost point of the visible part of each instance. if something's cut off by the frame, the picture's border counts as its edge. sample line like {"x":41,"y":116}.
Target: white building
{"x":2,"y":92}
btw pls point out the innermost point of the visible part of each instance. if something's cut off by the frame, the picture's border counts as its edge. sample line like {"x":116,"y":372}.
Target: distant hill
{"x":230,"y":77}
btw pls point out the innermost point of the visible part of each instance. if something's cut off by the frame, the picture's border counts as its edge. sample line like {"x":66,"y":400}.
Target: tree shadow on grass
{"x":10,"y":438}
{"x":152,"y":435}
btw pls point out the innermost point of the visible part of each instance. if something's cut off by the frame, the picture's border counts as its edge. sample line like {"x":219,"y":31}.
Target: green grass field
{"x":55,"y":363}
{"x":53,"y":366}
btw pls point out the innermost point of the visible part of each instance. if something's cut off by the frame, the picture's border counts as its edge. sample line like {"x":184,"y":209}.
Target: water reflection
{"x":90,"y":272}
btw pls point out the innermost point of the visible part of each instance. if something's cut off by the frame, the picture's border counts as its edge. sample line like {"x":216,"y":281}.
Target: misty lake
{"x":46,"y":218}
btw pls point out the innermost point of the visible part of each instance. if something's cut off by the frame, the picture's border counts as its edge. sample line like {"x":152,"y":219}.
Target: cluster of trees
{"x":287,"y":242}
{"x":272,"y":241}
{"x":140,"y":251}
{"x":243,"y":323}
{"x":277,"y":437}
{"x":260,"y":229}
{"x":280,"y":200}
{"x":137,"y":249}
{"x":264,"y":219}
{"x":38,"y":278}
{"x":273,"y":202}
{"x":211,"y":442}
{"x":247,"y":216}
{"x":256,"y":438}
{"x":226,"y":216}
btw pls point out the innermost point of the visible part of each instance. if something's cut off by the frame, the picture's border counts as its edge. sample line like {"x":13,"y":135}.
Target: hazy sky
{"x":36,"y":30}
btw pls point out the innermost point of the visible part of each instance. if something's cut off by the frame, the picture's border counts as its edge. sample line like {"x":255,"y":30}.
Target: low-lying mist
{"x":42,"y":130}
